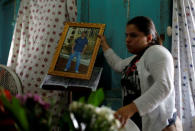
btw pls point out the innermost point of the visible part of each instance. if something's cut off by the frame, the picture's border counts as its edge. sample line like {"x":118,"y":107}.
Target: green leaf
{"x":96,"y":98}
{"x":17,"y":111}
{"x":20,"y":113}
{"x":66,"y":121}
{"x":82,"y":99}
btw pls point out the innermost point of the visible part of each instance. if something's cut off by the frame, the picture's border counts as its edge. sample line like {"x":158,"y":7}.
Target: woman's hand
{"x":125,"y":112}
{"x":104,"y":43}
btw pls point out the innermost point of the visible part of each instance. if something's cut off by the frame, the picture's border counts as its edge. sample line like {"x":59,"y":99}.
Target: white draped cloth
{"x":37,"y":32}
{"x":183,"y":51}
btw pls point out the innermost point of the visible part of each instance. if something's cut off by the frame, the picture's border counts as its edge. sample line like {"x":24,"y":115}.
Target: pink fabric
{"x":37,"y":31}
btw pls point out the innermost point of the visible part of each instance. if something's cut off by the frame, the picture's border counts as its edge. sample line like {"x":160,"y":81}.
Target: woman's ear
{"x":149,"y":38}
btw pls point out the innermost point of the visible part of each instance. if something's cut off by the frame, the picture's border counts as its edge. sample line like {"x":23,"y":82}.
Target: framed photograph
{"x":77,"y":50}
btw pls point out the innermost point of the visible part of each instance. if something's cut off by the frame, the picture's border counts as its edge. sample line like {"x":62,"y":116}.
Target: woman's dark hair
{"x":146,"y":25}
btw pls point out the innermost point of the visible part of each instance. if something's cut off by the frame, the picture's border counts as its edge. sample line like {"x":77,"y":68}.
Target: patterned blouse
{"x":130,"y":83}
{"x":131,"y":87}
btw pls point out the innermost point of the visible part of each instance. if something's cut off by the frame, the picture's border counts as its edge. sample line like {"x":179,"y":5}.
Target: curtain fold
{"x":183,"y":51}
{"x":37,"y":31}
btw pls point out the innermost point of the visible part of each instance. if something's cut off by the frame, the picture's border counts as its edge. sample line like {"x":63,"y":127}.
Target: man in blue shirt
{"x":78,"y":48}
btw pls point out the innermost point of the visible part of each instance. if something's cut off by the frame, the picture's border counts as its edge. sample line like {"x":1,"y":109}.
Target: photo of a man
{"x":78,"y":48}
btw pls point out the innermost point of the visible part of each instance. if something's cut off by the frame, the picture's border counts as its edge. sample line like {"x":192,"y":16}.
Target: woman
{"x":147,"y":78}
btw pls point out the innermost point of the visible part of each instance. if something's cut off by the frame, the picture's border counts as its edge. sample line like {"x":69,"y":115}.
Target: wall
{"x":1,"y":26}
{"x":7,"y":30}
{"x":6,"y":25}
{"x":166,"y":20}
{"x":114,"y":14}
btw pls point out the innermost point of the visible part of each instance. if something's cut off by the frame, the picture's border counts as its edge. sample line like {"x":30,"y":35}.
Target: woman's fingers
{"x":100,"y":36}
{"x":103,"y":43}
{"x":123,"y":122}
{"x":121,"y":118}
{"x":103,"y":38}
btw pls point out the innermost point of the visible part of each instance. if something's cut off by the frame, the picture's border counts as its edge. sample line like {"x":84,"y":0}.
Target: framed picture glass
{"x":77,"y":50}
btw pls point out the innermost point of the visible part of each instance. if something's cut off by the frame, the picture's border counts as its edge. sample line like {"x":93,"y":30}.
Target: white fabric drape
{"x":183,"y":51}
{"x":37,"y":31}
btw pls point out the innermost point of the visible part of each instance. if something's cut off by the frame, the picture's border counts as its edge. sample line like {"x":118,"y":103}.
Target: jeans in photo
{"x":78,"y":57}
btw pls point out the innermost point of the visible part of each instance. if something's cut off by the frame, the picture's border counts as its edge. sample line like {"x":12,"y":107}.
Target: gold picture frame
{"x":72,"y":34}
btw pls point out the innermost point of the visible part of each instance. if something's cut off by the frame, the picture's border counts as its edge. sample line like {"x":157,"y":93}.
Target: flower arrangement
{"x":29,"y":112}
{"x":91,"y":118}
{"x":86,"y":115}
{"x":23,"y":112}
{"x":5,"y":119}
{"x":37,"y":111}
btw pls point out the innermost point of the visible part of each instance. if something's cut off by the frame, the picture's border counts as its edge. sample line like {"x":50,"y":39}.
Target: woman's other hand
{"x":125,"y":112}
{"x":104,"y":43}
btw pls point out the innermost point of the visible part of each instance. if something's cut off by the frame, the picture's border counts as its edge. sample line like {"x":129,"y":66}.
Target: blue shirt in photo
{"x":80,"y":43}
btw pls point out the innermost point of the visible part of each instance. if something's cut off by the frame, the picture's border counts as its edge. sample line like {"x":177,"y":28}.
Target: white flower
{"x":89,"y":106}
{"x":107,"y":112}
{"x":95,"y":118}
{"x":74,"y":105}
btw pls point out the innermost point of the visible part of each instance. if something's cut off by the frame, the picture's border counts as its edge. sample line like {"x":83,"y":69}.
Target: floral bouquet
{"x":29,"y":112}
{"x":5,"y":119}
{"x":87,"y":116}
{"x":36,"y":111}
{"x":23,"y":112}
{"x":91,"y":118}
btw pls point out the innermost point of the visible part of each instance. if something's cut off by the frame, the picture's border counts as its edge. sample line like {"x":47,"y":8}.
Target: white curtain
{"x":183,"y":51}
{"x":37,"y":31}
